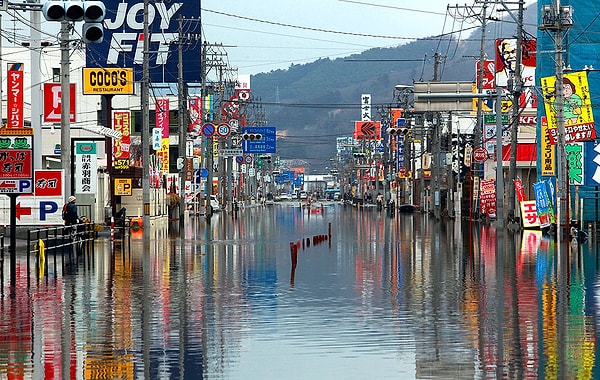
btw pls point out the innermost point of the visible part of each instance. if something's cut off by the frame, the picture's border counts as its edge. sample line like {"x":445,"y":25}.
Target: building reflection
{"x":448,"y":300}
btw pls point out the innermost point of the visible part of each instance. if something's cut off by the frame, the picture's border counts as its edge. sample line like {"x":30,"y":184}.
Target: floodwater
{"x":359,"y":295}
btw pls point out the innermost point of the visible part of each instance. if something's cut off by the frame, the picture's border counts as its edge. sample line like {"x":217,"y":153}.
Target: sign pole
{"x":13,"y":243}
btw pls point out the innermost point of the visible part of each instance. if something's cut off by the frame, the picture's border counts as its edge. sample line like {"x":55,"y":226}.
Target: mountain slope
{"x":312,"y":104}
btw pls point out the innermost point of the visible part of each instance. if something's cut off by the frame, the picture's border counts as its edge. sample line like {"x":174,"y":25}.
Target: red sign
{"x":21,"y":210}
{"x":53,"y":102}
{"x":48,"y":183}
{"x":14,"y":89}
{"x":574,"y":133}
{"x":195,"y":114}
{"x":480,"y":154}
{"x":122,"y":123}
{"x":489,"y":74}
{"x":162,"y":116}
{"x":367,"y":130}
{"x":16,"y":163}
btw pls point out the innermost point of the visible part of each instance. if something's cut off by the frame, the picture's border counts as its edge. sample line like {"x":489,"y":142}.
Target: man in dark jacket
{"x":71,"y":216}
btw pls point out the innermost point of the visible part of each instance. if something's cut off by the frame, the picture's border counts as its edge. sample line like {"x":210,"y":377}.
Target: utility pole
{"x":558,"y":19}
{"x":181,"y":97}
{"x":145,"y":126}
{"x":65,"y":117}
{"x":472,"y":12}
{"x":516,"y":88}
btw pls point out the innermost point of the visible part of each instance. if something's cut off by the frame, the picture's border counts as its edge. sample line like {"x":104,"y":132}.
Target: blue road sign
{"x":208,"y":129}
{"x":267,"y":143}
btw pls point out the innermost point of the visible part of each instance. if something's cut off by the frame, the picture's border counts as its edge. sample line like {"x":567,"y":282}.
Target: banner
{"x":14,"y":96}
{"x":519,"y":190}
{"x":122,"y":123}
{"x":195,"y":114}
{"x":578,"y":115}
{"x":488,"y":198}
{"x":543,"y":205}
{"x":162,"y":123}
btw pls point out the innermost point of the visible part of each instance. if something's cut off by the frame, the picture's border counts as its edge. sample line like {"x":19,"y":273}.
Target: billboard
{"x":506,"y":61}
{"x":124,"y":39}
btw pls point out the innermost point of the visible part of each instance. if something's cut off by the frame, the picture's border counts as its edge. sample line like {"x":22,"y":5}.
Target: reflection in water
{"x":381,"y":297}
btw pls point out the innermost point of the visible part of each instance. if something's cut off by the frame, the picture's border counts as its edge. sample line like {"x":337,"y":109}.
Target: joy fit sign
{"x":123,"y":44}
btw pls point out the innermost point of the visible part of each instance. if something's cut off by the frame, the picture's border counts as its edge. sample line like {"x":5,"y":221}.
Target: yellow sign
{"x":108,"y":81}
{"x":122,"y":186}
{"x":577,"y":108}
{"x":547,"y":153}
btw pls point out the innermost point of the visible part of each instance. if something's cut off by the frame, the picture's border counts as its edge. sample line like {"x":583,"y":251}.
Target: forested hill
{"x":312,"y":104}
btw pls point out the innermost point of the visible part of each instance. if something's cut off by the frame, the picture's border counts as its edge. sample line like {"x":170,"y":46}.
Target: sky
{"x":260,"y":36}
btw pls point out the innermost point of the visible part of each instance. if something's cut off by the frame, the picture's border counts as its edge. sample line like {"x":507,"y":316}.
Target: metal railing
{"x":69,"y":244}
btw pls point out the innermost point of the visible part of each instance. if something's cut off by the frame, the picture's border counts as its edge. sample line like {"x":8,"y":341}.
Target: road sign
{"x":53,"y":102}
{"x":208,"y":129}
{"x":122,"y":186}
{"x":480,"y":154}
{"x":248,"y":159}
{"x":223,"y":130}
{"x":230,"y":152}
{"x":266,"y":144}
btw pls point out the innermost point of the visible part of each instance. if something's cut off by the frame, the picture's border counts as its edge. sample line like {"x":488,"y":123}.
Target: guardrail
{"x":71,"y":242}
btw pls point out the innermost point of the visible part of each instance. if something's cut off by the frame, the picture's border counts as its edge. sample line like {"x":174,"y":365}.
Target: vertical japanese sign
{"x":547,"y":158}
{"x":488,"y":80}
{"x":206,"y":111}
{"x":574,"y":157}
{"x":122,"y":123}
{"x":162,"y":122}
{"x":488,"y":197}
{"x":578,"y":115}
{"x":365,"y":107}
{"x":543,"y":206}
{"x":195,"y":114}
{"x":86,"y":168}
{"x":15,"y":95}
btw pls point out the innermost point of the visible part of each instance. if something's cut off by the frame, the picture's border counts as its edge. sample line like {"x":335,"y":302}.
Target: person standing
{"x":70,"y":213}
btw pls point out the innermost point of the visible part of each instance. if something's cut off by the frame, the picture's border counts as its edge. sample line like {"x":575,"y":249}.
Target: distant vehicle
{"x":303,"y":195}
{"x":285,"y":197}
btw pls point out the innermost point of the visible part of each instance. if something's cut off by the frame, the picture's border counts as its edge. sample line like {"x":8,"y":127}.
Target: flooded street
{"x":370,"y":296}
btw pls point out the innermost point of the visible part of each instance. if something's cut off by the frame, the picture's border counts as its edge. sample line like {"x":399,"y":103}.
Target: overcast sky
{"x":260,"y":36}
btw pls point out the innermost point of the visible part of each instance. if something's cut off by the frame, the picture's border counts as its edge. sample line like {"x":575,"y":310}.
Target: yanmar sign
{"x":124,"y":39}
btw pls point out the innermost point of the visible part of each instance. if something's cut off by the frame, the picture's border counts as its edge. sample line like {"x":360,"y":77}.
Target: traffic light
{"x":397,"y":131}
{"x":93,"y":30}
{"x":252,"y":136}
{"x":91,"y":12}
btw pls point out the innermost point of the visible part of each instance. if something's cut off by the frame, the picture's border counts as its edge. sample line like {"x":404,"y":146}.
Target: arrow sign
{"x":22,"y":211}
{"x":8,"y":186}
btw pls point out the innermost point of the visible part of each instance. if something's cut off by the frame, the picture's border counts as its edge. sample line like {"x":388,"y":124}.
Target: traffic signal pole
{"x":65,"y":117}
